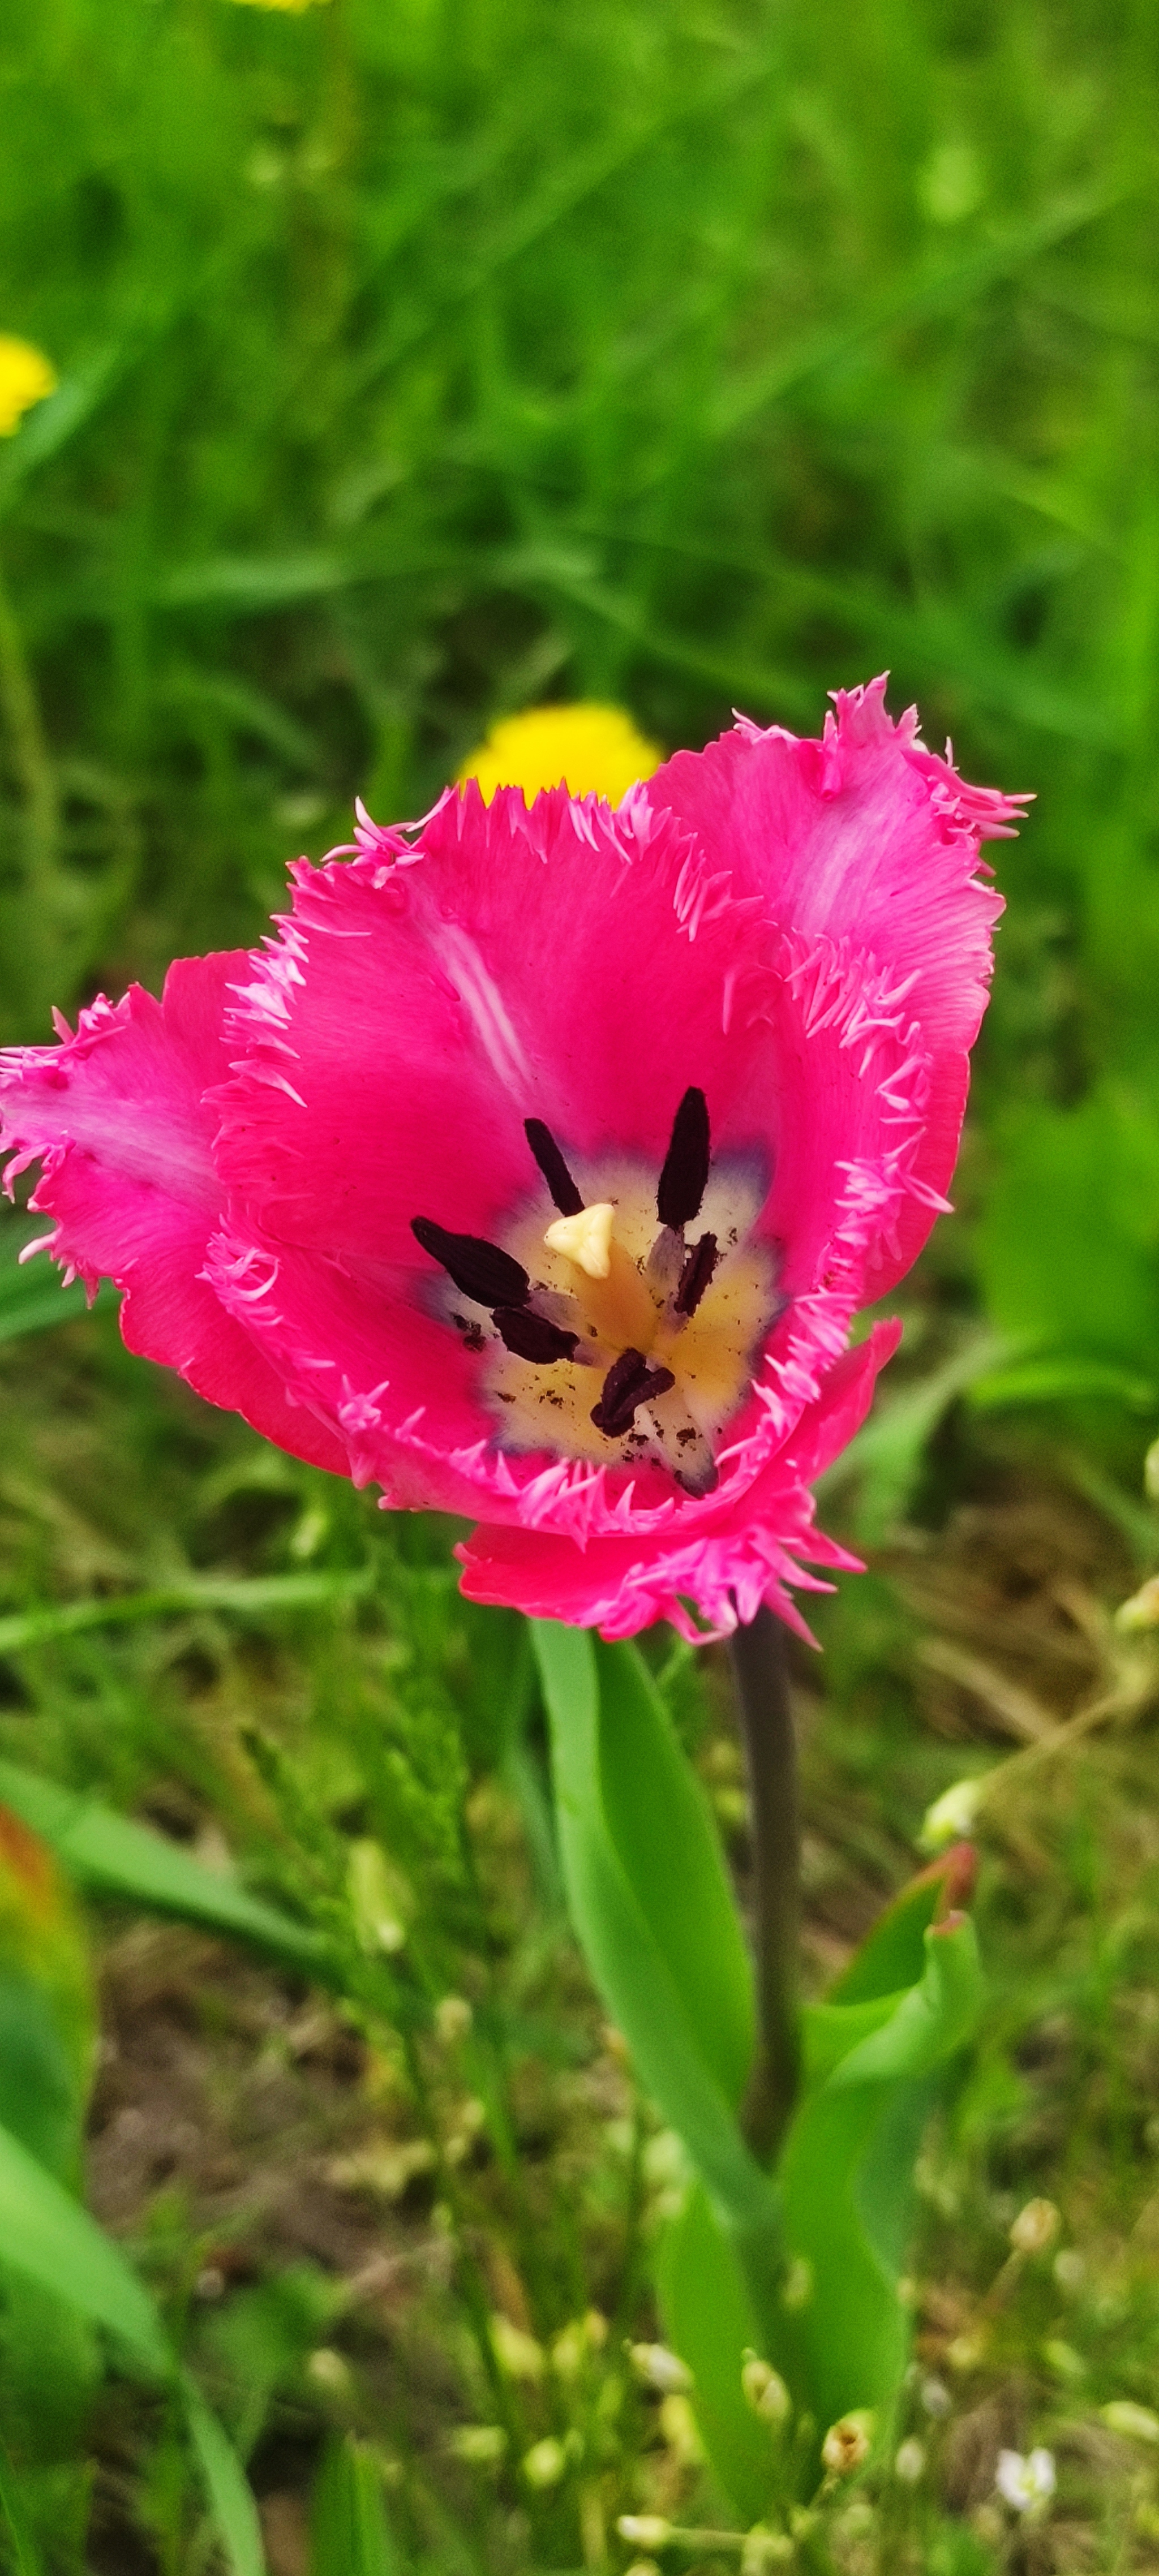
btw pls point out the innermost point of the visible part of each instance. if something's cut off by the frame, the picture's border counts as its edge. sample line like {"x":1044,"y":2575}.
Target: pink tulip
{"x":537,"y":1165}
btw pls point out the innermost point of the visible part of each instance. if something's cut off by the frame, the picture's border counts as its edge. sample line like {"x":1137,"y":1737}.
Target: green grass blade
{"x":227,"y":2487}
{"x":242,"y":1597}
{"x":26,"y":2558}
{"x":112,"y":1856}
{"x":349,"y":2531}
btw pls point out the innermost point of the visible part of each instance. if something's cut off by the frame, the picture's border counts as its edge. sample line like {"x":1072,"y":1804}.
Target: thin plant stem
{"x":31,"y":765}
{"x":29,"y":751}
{"x":758,"y":1662}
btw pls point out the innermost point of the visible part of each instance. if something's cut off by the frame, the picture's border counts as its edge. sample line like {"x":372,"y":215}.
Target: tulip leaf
{"x":846,"y":2174}
{"x":709,"y":2319}
{"x":112,"y":1856}
{"x":678,"y":2000}
{"x":838,"y":2330}
{"x":662,"y":1827}
{"x":893,"y":1954}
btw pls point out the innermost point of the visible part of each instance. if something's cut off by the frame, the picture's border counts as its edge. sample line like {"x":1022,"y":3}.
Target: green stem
{"x":30,"y":754}
{"x":758,"y":1662}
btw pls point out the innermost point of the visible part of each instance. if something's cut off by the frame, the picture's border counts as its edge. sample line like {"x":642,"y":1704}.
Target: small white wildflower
{"x":910,"y":2463}
{"x":936,"y":2397}
{"x":329,"y":2371}
{"x":453,"y":2019}
{"x":644,"y":2530}
{"x":1026,"y":2483}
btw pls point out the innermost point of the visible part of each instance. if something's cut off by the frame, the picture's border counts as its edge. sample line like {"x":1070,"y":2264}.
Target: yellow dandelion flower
{"x":589,"y":749}
{"x":25,"y":378}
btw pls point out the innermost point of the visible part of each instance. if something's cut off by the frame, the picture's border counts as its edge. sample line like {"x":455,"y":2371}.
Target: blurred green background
{"x":421,"y":360}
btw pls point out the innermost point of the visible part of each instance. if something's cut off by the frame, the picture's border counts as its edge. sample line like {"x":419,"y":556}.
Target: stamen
{"x":684,"y":1178}
{"x":664,"y":1266}
{"x":585,"y":1238}
{"x":479,"y":1269}
{"x":531,"y":1337}
{"x":696,"y":1274}
{"x":629,"y":1382}
{"x":568,"y":1199}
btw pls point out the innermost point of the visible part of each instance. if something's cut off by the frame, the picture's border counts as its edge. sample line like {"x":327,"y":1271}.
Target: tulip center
{"x":613,"y":1334}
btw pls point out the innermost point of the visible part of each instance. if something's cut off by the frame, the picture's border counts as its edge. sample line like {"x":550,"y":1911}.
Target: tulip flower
{"x":536,"y":1167}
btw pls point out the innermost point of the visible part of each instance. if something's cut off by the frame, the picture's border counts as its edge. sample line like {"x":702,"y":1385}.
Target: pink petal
{"x":866,"y":839}
{"x":740,"y":1556}
{"x":117,"y":1116}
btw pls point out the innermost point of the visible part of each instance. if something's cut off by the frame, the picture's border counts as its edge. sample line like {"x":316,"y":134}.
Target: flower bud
{"x":1035,"y":2228}
{"x":681,"y":2431}
{"x":453,"y":2019}
{"x":659,"y":2368}
{"x":330,"y":2371}
{"x":479,"y":2444}
{"x":764,"y":2549}
{"x":645,"y":2530}
{"x":517,"y":2353}
{"x":569,"y":2350}
{"x":1137,"y":2422}
{"x":951,"y":1815}
{"x":797,"y":2286}
{"x":544,"y":2464}
{"x":381,"y":1900}
{"x":1141,"y":1611}
{"x":847,"y":2444}
{"x":765,"y":2389}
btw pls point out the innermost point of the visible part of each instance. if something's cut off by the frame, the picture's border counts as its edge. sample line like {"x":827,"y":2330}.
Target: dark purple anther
{"x":567,"y":1198}
{"x":629,"y":1382}
{"x":478,"y":1268}
{"x":696,"y":1274}
{"x":684,"y":1178}
{"x":531,"y":1337}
